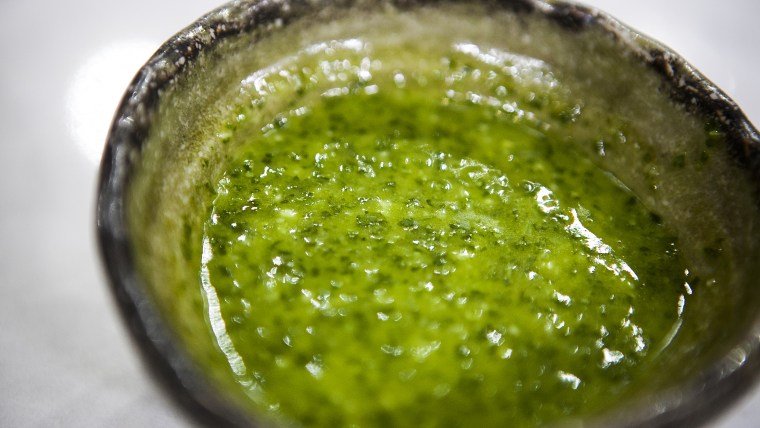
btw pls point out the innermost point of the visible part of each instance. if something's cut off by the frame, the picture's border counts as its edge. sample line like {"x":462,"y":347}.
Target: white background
{"x":65,"y":359}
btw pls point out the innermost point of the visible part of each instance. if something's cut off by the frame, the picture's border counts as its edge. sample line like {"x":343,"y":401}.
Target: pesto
{"x":422,"y":247}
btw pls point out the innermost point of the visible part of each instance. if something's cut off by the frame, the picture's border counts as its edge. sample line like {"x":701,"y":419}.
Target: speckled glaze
{"x":690,"y":403}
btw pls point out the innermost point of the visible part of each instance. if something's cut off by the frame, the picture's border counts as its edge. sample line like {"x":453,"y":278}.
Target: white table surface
{"x":65,"y":358}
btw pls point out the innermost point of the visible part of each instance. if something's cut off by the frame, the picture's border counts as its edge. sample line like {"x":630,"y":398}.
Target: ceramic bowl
{"x":158,"y":164}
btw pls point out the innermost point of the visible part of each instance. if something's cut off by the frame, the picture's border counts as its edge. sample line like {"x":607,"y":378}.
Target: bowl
{"x":616,"y":99}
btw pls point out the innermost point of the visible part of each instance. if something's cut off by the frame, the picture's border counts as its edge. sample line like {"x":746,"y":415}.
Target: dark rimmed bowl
{"x":724,"y":370}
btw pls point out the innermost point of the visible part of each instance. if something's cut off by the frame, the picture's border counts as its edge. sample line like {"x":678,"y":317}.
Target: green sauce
{"x":421,"y":246}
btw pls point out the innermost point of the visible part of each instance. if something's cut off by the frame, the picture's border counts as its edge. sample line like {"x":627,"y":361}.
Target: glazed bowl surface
{"x":633,"y":107}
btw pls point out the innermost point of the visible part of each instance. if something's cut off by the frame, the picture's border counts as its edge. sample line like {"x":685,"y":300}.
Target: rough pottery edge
{"x":160,"y":351}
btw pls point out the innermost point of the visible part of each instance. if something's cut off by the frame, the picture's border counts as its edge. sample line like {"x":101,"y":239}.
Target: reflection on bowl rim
{"x":690,"y":403}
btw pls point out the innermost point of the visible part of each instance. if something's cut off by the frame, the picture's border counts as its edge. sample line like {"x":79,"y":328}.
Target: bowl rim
{"x":692,"y":402}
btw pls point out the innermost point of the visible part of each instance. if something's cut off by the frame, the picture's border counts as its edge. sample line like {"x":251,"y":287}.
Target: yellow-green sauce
{"x":415,"y":247}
